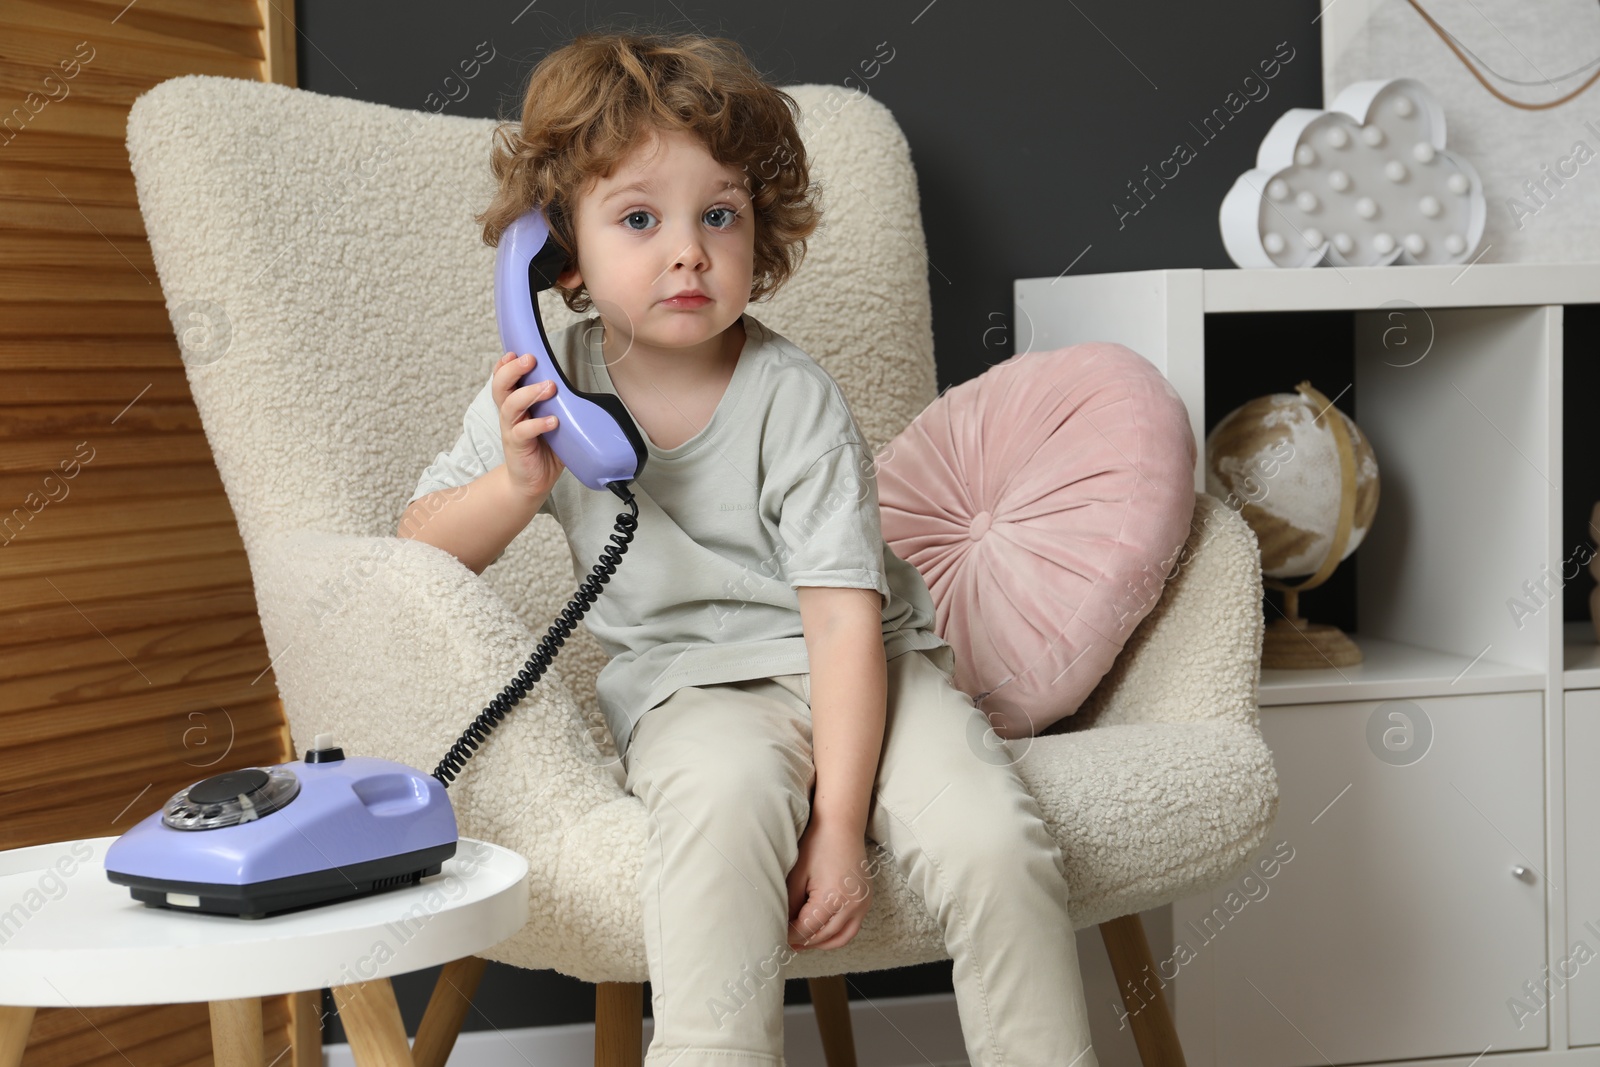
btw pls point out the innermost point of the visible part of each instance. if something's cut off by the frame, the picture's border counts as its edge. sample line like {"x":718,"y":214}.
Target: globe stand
{"x":1293,"y":643}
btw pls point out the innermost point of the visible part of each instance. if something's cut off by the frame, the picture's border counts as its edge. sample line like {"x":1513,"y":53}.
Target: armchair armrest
{"x":395,"y":646}
{"x":1197,"y":656}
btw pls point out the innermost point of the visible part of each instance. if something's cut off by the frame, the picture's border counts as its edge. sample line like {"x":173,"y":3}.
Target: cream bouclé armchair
{"x":333,"y":298}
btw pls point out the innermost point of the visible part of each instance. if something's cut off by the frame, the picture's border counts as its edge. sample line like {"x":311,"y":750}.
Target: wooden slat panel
{"x":60,"y":216}
{"x":189,"y":744}
{"x":44,"y":33}
{"x":88,"y":386}
{"x":39,"y":547}
{"x":239,"y":14}
{"x":78,"y":523}
{"x":21,"y":288}
{"x":120,"y":321}
{"x":54,"y":1024}
{"x":69,"y":116}
{"x":84,"y":331}
{"x":118,"y":812}
{"x":155,"y":713}
{"x":90,"y":650}
{"x":89,"y":589}
{"x":278,"y":36}
{"x":41,"y":541}
{"x":60,"y":621}
{"x":59,"y":73}
{"x":83,"y":150}
{"x":134,"y":413}
{"x":34,"y":702}
{"x":168,"y":753}
{"x":87,"y":250}
{"x":222,"y":33}
{"x":117,"y":795}
{"x":111,"y":449}
{"x":63,"y":1036}
{"x":38,"y":85}
{"x":52,"y":352}
{"x":82,"y":187}
{"x":116,"y":548}
{"x":196,"y":740}
{"x":168,"y":483}
{"x":127,"y":483}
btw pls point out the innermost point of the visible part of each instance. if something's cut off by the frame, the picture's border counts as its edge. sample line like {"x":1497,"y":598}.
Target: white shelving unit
{"x":1425,"y":895}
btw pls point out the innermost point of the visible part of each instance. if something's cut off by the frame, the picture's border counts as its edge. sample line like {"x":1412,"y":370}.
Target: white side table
{"x":69,"y":937}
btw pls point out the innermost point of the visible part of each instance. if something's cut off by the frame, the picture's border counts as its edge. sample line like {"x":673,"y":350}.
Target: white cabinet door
{"x":1398,"y":927}
{"x":1581,"y":968}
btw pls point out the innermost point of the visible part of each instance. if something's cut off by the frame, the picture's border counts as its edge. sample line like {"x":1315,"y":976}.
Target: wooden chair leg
{"x":1153,"y":1033}
{"x":447,"y":1010}
{"x":619,"y":1024}
{"x":831,"y":1001}
{"x":15,"y":1023}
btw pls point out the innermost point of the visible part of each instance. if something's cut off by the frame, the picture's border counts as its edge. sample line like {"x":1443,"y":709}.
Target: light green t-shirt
{"x":778,"y":490}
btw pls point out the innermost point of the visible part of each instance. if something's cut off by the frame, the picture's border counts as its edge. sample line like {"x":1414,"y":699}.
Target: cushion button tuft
{"x":980,"y":525}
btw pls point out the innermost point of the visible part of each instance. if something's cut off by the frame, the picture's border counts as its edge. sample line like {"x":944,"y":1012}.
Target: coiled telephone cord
{"x":465,"y":748}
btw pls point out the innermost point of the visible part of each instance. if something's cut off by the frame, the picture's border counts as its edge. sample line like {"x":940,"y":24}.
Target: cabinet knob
{"x":1521,"y":872}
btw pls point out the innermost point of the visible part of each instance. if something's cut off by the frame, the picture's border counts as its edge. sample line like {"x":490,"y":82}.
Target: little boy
{"x":775,"y":686}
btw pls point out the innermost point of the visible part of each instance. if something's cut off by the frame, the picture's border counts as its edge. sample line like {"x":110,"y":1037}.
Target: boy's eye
{"x":724,"y":216}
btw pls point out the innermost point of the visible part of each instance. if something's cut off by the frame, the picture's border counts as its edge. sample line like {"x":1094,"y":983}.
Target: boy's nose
{"x":691,"y":254}
{"x":690,"y":243}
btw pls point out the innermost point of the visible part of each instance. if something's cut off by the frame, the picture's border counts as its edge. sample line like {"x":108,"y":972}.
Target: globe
{"x":1307,"y":484}
{"x":1274,"y":463}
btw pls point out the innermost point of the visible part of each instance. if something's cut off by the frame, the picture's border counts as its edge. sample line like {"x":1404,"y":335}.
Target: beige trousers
{"x":725,"y":772}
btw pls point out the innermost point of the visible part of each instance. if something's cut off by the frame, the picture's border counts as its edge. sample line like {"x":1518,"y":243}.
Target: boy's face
{"x":692,"y":228}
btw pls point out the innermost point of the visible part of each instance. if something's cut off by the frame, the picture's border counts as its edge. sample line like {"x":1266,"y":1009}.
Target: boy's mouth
{"x":688,"y":299}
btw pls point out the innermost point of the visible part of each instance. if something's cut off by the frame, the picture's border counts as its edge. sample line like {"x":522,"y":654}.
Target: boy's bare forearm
{"x":849,"y":690}
{"x":473,"y":522}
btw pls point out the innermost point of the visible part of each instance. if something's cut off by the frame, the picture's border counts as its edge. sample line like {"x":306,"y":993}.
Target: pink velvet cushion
{"x":1044,"y":502}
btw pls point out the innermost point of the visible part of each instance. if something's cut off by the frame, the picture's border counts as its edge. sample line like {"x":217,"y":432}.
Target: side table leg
{"x":305,"y":1028}
{"x":447,"y":1010}
{"x":236,"y":1032}
{"x":14,"y":1026}
{"x":372,"y":1022}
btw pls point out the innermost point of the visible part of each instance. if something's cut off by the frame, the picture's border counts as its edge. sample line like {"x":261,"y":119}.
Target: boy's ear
{"x":570,"y":277}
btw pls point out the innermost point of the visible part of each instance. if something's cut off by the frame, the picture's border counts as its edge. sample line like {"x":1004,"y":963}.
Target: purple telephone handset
{"x":594,"y":434}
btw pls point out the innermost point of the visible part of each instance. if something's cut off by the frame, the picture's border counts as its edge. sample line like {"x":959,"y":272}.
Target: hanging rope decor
{"x":1450,"y":42}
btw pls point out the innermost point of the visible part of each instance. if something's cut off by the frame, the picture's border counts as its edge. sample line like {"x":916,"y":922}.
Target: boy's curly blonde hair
{"x":590,"y":102}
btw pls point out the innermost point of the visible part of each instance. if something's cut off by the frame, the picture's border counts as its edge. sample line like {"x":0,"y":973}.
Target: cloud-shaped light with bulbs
{"x":1365,"y":183}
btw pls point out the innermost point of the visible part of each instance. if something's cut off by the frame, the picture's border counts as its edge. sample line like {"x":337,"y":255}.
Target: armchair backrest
{"x":333,"y":294}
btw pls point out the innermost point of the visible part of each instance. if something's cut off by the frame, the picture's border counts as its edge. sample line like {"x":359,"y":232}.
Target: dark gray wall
{"x":1029,"y":126}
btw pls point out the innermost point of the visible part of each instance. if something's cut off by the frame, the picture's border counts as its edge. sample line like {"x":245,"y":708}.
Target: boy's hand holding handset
{"x":532,"y":465}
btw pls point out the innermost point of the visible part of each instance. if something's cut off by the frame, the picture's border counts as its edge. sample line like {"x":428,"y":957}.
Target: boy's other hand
{"x":531,"y":463}
{"x":830,"y":890}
